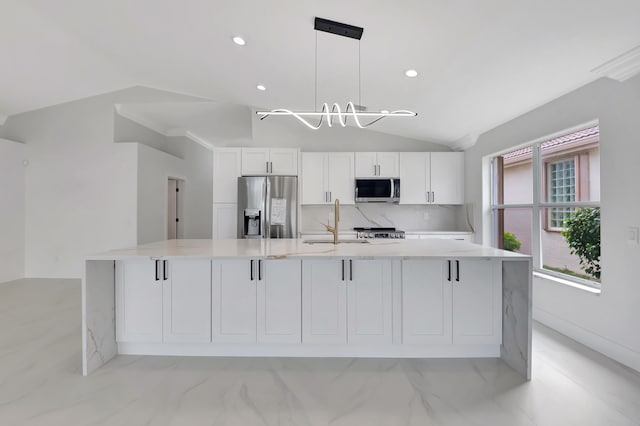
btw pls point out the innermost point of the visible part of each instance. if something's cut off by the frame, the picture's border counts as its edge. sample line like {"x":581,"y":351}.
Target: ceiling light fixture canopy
{"x":329,"y":114}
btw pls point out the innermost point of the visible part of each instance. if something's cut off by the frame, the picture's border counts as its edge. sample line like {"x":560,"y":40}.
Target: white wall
{"x":607,"y":322}
{"x":12,"y":210}
{"x":154,"y":169}
{"x":81,"y":195}
{"x":289,"y":132}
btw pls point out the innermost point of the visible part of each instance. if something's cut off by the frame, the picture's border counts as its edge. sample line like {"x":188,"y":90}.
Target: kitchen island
{"x":285,"y":297}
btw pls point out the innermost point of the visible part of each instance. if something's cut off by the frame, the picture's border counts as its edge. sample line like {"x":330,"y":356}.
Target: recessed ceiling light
{"x":261,"y":87}
{"x":239,"y":41}
{"x":411,"y":73}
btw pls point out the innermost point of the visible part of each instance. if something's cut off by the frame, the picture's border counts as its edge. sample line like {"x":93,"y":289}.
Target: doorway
{"x":175,"y":197}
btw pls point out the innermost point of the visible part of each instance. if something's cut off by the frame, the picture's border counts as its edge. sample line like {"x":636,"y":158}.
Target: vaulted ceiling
{"x":480,"y":63}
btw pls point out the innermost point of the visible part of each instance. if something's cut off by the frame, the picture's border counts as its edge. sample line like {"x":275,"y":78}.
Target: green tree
{"x":582,"y":232}
{"x":511,"y":243}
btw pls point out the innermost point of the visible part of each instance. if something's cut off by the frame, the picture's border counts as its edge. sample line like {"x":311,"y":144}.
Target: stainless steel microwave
{"x":377,"y":190}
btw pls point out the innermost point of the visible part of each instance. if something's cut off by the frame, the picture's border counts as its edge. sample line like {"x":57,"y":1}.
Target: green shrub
{"x":511,"y":243}
{"x":582,"y":232}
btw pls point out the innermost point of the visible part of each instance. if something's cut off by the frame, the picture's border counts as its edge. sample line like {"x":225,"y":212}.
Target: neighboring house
{"x":570,"y":172}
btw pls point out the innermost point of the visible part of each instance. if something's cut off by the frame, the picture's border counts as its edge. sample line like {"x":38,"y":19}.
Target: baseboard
{"x":298,"y":350}
{"x":588,"y":338}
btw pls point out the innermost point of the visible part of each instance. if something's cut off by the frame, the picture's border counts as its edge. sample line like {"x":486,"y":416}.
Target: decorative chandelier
{"x":328,"y":114}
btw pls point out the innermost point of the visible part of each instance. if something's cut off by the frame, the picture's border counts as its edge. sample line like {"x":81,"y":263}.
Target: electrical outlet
{"x":632,"y":235}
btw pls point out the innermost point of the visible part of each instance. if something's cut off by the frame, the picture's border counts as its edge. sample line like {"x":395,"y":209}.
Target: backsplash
{"x":404,"y":217}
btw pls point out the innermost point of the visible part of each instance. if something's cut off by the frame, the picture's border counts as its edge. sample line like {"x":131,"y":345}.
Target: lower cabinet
{"x":311,"y":301}
{"x":451,"y":301}
{"x":255,"y":300}
{"x":186,"y":295}
{"x":426,"y":302}
{"x":163,"y":300}
{"x":138,"y":301}
{"x":346,"y":301}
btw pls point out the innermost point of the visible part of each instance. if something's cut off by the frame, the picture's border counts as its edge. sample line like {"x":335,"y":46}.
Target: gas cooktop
{"x":378,"y":232}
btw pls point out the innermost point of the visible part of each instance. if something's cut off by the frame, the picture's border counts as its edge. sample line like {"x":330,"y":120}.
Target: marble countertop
{"x":283,"y":248}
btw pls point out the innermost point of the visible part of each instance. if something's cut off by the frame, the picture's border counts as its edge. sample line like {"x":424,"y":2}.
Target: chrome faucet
{"x":336,"y":218}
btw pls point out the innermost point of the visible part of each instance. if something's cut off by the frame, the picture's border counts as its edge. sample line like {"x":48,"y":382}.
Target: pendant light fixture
{"x":328,"y":114}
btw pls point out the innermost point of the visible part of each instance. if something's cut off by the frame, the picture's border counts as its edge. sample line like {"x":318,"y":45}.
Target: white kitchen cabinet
{"x":314,"y":185}
{"x":139,"y":300}
{"x":415,"y":178}
{"x":186,"y":300}
{"x":451,"y":301}
{"x":426,"y":302}
{"x":377,"y":164}
{"x":369,"y":302}
{"x":256,"y":300}
{"x":233,"y":301}
{"x":447,"y":178}
{"x":327,"y":176}
{"x":324,"y":301}
{"x":227,"y":167}
{"x":347,"y":291}
{"x":269,"y":161}
{"x":225,"y":221}
{"x":432,"y":178}
{"x":477,"y":301}
{"x":279,"y":317}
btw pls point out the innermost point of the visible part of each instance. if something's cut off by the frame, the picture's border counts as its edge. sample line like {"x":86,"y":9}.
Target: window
{"x":536,"y":189}
{"x":562,"y":189}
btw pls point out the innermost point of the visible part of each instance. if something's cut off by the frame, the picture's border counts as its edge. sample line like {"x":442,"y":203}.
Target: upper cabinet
{"x":226,"y":170}
{"x":269,"y":161}
{"x":432,"y":178}
{"x":377,"y":164}
{"x":327,"y":176}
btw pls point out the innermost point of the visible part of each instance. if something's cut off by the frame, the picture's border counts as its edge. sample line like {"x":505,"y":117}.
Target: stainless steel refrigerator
{"x":267,"y":207}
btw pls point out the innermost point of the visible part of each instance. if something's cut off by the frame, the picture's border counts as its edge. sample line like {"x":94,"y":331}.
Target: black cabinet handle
{"x":350,"y":270}
{"x":260,"y":270}
{"x":164,"y":270}
{"x":342,"y":269}
{"x":457,"y":270}
{"x":449,"y":270}
{"x":251,"y":270}
{"x":157,"y":272}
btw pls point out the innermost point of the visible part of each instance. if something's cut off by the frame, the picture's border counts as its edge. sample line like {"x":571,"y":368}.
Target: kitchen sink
{"x":339,"y":241}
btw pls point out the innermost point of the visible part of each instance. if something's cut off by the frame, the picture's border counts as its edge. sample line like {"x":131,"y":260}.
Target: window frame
{"x":548,"y":162}
{"x":540,"y":188}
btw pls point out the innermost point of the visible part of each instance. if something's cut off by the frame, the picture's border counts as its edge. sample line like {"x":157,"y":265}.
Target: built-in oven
{"x":377,"y":190}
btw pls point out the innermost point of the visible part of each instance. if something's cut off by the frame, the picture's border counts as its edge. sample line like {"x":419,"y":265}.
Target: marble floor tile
{"x":41,"y":381}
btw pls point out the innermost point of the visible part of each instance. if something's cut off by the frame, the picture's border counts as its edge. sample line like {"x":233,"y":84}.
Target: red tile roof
{"x":581,"y":135}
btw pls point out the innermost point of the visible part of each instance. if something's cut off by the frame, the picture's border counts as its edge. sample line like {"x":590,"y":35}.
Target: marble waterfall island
{"x":285,"y":297}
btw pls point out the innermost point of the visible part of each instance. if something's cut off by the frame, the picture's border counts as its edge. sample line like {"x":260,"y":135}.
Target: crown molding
{"x":464,"y":142}
{"x":141,"y":121}
{"x":621,"y":68}
{"x":175,"y":132}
